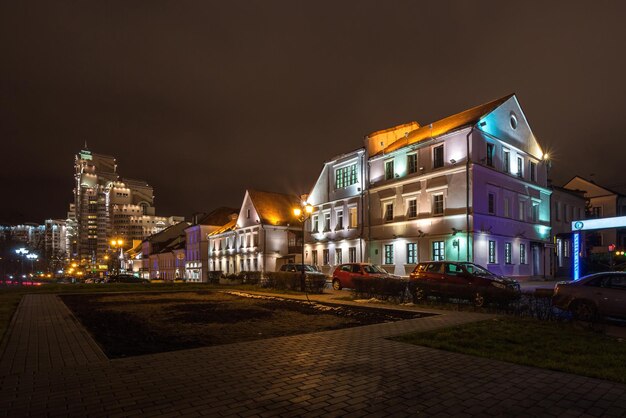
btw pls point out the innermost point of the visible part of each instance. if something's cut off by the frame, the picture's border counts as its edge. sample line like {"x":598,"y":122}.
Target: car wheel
{"x":584,"y":311}
{"x":336,"y":284}
{"x":479,"y":300}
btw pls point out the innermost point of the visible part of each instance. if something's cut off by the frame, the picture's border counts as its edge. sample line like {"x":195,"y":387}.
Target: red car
{"x":344,"y":273}
{"x":461,"y":280}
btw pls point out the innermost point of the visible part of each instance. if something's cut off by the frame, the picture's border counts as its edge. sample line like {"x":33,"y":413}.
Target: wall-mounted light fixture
{"x":452,"y":161}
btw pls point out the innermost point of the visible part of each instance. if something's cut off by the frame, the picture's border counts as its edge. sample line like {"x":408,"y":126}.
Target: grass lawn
{"x":127,"y":324}
{"x":10,"y":296}
{"x":556,"y":346}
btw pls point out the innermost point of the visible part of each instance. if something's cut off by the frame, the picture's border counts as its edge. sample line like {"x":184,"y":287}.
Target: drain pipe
{"x":468,"y":164}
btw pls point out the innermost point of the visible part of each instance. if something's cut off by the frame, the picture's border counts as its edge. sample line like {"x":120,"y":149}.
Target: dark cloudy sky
{"x":205,"y":99}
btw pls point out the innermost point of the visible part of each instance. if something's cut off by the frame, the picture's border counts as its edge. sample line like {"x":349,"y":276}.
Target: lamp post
{"x":118,"y":243}
{"x":22,"y":252}
{"x":303,"y":213}
{"x":32,"y":257}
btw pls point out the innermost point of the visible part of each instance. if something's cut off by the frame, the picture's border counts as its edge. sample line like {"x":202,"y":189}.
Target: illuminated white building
{"x":335,"y":232}
{"x":263,"y":236}
{"x":419,"y":197}
{"x":428,"y":201}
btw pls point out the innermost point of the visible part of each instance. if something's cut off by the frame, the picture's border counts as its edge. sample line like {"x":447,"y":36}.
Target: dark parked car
{"x":126,"y":278}
{"x":344,"y":273}
{"x":296,"y":267}
{"x":602,"y":294}
{"x":461,"y":280}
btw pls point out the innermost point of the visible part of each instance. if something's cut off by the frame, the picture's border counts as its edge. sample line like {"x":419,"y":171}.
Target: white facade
{"x":335,"y":231}
{"x":428,"y":202}
{"x":263,"y":235}
{"x":418,"y":196}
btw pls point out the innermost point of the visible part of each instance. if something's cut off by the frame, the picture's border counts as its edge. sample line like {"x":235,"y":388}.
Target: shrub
{"x":250,"y":277}
{"x":214,"y":276}
{"x":283,"y":280}
{"x":385,"y":288}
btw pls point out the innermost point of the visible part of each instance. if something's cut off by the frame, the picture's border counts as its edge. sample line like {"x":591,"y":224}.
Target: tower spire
{"x":86,"y":144}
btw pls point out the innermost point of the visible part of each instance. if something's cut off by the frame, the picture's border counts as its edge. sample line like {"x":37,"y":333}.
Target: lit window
{"x":345,"y":176}
{"x":388,"y":253}
{"x":353,"y":217}
{"x":492,"y":252}
{"x":411,"y":253}
{"x":314,"y":257}
{"x":438,"y":251}
{"x":507,"y":253}
{"x":522,"y":253}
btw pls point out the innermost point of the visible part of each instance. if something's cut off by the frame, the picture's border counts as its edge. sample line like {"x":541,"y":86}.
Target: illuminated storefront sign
{"x":590,"y":224}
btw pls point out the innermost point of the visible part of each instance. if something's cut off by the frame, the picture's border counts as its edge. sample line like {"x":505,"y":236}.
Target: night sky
{"x":205,"y":99}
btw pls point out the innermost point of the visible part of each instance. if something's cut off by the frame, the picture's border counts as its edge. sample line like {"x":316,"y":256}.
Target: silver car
{"x":599,"y":294}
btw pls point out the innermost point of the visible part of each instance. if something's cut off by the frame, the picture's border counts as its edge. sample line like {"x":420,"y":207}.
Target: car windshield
{"x":373,"y":269}
{"x":476,"y":270}
{"x":306,"y":268}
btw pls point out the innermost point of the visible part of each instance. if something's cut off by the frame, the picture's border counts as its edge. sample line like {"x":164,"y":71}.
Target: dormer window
{"x":389,"y":170}
{"x":438,"y":156}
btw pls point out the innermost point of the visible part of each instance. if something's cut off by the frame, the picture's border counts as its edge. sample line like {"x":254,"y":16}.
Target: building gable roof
{"x":228,"y":226}
{"x":274,"y":208}
{"x":591,"y":189}
{"x":218,"y":217}
{"x":465,"y":118}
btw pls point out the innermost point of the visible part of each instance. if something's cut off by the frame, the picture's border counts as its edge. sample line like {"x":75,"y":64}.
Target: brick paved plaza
{"x":50,"y":366}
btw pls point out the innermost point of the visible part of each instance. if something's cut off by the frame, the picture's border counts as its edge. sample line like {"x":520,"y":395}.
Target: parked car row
{"x":445,"y":279}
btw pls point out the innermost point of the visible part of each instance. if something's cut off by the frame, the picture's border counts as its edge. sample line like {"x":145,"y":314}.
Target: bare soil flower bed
{"x":144,"y":323}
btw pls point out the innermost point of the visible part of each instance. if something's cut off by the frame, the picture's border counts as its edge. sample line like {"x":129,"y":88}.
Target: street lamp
{"x":32,"y":257}
{"x":22,"y":252}
{"x":303,"y":213}
{"x":118,"y":243}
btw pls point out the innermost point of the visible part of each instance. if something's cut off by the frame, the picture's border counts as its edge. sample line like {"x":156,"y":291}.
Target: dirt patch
{"x":138,"y":323}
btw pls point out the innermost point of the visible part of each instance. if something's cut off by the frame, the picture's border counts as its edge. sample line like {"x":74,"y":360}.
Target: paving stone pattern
{"x":349,"y":372}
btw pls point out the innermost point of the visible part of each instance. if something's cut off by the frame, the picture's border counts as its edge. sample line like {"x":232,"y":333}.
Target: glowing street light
{"x":303,"y":213}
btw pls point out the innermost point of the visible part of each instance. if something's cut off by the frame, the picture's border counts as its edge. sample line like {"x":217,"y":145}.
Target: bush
{"x":385,"y":288}
{"x":282,"y":280}
{"x":214,"y":276}
{"x":250,"y":277}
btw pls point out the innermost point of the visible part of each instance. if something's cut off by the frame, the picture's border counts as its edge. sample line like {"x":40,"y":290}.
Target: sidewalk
{"x":348,"y":372}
